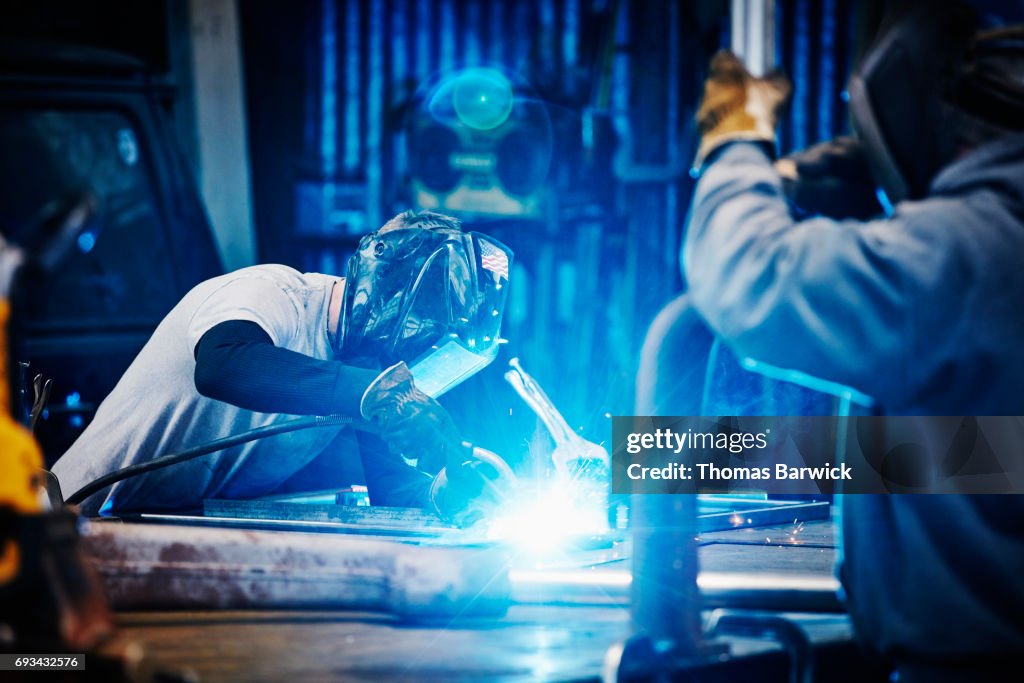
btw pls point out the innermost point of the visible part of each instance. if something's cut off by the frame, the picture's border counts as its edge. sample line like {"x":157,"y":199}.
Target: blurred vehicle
{"x":78,"y":122}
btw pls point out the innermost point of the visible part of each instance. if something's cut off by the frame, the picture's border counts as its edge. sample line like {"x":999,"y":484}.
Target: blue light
{"x":86,"y":241}
{"x":883,"y":199}
{"x":482,"y":98}
{"x":76,"y":421}
{"x":107,"y":506}
{"x":328,"y":92}
{"x":73,"y":399}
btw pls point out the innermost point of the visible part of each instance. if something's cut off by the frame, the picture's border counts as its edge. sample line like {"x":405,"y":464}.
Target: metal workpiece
{"x":665,"y":602}
{"x":174,"y":567}
{"x":353,"y":519}
{"x":807,"y":593}
{"x":772,"y":626}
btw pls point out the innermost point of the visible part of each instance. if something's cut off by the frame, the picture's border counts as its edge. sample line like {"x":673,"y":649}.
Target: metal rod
{"x":146,"y":566}
{"x":753,"y":33}
{"x":781,"y":592}
{"x":665,"y":601}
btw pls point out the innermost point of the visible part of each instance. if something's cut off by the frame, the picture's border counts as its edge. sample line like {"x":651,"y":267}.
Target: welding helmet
{"x":431,"y":296}
{"x":900,"y":95}
{"x":931,"y":86}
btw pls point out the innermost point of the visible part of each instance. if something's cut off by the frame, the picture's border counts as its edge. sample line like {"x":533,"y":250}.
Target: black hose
{"x":311,"y":422}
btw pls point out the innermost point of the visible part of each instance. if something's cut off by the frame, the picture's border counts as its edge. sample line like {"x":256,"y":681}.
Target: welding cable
{"x":310,"y":422}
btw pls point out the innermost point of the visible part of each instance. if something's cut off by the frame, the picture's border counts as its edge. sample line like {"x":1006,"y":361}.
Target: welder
{"x":920,"y":308}
{"x":418,"y":311}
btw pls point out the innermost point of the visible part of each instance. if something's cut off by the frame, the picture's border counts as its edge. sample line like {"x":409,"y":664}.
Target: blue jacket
{"x":924,"y":311}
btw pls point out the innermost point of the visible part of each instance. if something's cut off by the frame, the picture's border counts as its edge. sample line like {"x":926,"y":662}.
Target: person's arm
{"x":237,"y":362}
{"x":841,"y":300}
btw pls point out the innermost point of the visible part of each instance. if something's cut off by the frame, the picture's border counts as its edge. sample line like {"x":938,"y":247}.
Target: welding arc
{"x":311,"y":422}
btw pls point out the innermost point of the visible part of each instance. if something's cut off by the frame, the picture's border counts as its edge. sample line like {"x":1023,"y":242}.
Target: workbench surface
{"x":532,"y":642}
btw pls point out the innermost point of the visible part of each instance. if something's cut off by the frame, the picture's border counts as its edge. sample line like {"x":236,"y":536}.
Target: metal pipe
{"x":146,"y":566}
{"x":611,"y":587}
{"x":753,"y":33}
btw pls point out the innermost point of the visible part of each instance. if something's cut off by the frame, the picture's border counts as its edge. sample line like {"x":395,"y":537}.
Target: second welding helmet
{"x":900,"y":95}
{"x":429,"y":295}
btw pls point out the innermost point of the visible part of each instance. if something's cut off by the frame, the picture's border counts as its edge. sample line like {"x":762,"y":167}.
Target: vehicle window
{"x":120,"y":272}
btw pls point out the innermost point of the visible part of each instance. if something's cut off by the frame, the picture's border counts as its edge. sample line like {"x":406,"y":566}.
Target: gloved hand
{"x":738,"y":106}
{"x":412,"y":423}
{"x":466,"y":492}
{"x":830,"y":179}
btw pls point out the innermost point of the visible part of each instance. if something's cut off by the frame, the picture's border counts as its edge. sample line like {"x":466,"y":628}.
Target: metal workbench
{"x":559,"y":631}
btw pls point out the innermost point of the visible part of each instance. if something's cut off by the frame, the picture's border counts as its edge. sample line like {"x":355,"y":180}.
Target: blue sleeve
{"x":391,"y":481}
{"x":839,"y":300}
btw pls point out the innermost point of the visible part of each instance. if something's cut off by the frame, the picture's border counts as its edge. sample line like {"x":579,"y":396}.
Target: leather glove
{"x":830,"y":179}
{"x":411,"y":423}
{"x":738,"y":106}
{"x":466,"y":492}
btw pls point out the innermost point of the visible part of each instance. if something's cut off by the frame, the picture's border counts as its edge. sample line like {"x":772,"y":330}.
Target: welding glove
{"x":412,"y":423}
{"x":830,"y":179}
{"x":738,"y":106}
{"x":466,"y":492}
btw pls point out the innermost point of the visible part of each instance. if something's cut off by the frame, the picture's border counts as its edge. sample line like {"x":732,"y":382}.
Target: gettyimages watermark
{"x":818,"y":455}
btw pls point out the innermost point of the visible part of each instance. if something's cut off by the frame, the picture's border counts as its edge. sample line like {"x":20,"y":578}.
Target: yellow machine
{"x":48,"y":596}
{"x":20,"y":459}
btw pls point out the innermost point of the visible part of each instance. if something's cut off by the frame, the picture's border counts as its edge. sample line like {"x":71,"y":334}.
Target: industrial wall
{"x":337,"y":90}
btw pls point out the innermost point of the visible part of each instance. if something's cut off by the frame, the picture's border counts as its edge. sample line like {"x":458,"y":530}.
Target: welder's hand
{"x":830,"y":179}
{"x":738,"y":106}
{"x":410,"y":422}
{"x":466,"y":492}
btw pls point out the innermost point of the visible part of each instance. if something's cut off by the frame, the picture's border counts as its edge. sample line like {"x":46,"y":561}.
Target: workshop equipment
{"x":665,"y":602}
{"x":595,"y":586}
{"x":50,"y":596}
{"x":146,"y":566}
{"x":30,"y":404}
{"x":574,"y":457}
{"x":289,"y":514}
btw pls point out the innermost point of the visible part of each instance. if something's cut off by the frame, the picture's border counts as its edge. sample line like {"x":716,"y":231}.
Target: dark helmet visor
{"x":433,"y":298}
